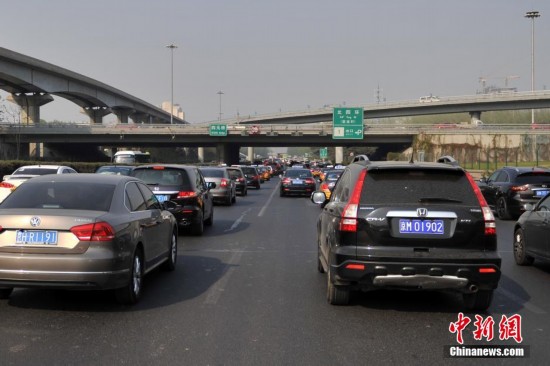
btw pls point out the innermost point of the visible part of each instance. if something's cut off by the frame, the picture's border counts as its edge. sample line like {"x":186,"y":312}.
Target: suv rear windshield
{"x":533,"y":177}
{"x":252,"y":171}
{"x":427,"y":186}
{"x":164,"y":177}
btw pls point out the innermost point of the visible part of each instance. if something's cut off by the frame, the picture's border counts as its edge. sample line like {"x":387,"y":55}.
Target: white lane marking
{"x":269,"y":200}
{"x":535,"y":309}
{"x":238,"y":221}
{"x":218,"y":288}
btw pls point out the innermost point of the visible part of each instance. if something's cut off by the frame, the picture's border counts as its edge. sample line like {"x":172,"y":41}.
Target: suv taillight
{"x":185,"y":194}
{"x":99,"y":231}
{"x":348,"y":221}
{"x":519,"y":188}
{"x":488,"y":217}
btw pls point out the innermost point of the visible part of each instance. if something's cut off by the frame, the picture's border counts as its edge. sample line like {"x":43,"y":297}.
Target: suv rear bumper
{"x":464,"y":275}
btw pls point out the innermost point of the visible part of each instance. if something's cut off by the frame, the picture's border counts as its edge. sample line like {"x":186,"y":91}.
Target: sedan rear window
{"x":35,"y":171}
{"x":212,"y":173}
{"x":61,"y":195}
{"x":428,"y":186}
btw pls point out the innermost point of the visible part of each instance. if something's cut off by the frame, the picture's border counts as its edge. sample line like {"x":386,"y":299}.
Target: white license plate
{"x":407,"y":226}
{"x":36,"y":237}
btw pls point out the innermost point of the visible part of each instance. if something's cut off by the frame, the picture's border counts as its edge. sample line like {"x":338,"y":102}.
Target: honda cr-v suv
{"x":407,"y":225}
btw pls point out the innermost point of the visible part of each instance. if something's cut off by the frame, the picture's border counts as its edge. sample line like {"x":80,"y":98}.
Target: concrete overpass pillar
{"x":200,"y":153}
{"x":475,"y":116}
{"x":96,"y":114}
{"x":250,"y":154}
{"x":122,"y":114}
{"x":338,"y":155}
{"x":30,"y":104}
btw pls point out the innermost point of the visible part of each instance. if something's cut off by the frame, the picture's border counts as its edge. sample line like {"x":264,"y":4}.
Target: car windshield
{"x":251,"y":171}
{"x":414,"y":186}
{"x":164,"y":177}
{"x":298,"y":173}
{"x":61,"y":195}
{"x":533,"y":177}
{"x":118,"y":170}
{"x":212,"y":173}
{"x":35,"y":171}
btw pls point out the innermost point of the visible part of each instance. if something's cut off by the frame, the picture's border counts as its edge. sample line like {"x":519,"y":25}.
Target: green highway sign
{"x":218,"y":129}
{"x":347,"y":123}
{"x":323,"y":152}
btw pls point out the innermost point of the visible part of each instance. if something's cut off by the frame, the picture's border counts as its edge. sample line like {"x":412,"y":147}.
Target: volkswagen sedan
{"x":84,"y":231}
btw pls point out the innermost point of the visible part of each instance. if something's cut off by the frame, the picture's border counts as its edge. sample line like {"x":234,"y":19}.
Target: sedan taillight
{"x":6,"y":185}
{"x":99,"y":231}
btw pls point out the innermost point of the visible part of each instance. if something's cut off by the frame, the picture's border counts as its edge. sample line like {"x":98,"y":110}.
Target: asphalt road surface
{"x":248,"y":293}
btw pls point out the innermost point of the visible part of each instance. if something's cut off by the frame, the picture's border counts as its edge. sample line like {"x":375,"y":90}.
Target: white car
{"x":24,"y":173}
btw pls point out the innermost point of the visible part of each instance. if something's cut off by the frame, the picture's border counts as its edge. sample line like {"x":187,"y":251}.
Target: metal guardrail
{"x":270,"y":130}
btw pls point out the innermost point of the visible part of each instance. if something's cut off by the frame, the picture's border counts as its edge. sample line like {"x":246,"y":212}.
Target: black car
{"x":532,"y":233}
{"x":252,"y":176}
{"x":185,"y":186}
{"x":407,"y":225}
{"x":236,"y":174}
{"x":509,"y":189}
{"x":297,"y":181}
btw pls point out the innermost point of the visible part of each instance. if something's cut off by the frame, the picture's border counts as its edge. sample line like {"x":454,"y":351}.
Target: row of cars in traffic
{"x":106,"y":231}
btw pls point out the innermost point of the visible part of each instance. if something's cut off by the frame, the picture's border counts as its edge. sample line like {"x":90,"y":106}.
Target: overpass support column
{"x":122,"y":114}
{"x":338,"y":155}
{"x":30,"y":104}
{"x":96,"y":114}
{"x":250,"y":154}
{"x":200,"y":154}
{"x":475,"y":116}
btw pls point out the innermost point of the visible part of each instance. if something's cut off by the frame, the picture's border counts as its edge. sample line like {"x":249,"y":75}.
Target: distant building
{"x":176,"y":109}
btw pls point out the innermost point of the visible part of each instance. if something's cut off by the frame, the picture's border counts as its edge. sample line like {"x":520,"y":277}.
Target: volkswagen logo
{"x":35,"y":221}
{"x":422,"y":212}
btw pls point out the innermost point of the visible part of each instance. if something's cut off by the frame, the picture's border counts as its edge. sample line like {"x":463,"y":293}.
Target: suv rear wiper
{"x":437,"y":199}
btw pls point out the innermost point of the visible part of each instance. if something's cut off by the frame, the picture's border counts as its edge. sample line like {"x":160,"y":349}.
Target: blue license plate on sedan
{"x":297,"y":182}
{"x":163,"y":197}
{"x":541,"y":193}
{"x":44,"y":237}
{"x":410,"y":226}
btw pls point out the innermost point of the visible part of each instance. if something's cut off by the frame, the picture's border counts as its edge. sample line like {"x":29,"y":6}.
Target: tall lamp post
{"x":172,"y":47}
{"x":220,"y":93}
{"x":532,"y":15}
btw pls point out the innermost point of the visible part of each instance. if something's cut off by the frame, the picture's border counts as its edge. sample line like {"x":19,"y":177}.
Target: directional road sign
{"x":218,"y":129}
{"x":347,"y":123}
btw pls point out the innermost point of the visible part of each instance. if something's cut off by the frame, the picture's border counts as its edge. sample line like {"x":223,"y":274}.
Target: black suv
{"x":185,"y":186}
{"x":237,"y":175}
{"x":509,"y":189}
{"x":407,"y":225}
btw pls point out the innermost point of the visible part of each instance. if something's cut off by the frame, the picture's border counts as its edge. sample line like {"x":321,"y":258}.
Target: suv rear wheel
{"x":480,"y":300}
{"x":198,"y":227}
{"x":336,"y":295}
{"x":502,"y":209}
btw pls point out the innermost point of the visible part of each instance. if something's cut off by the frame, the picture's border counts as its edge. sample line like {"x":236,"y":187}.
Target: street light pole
{"x":220,"y":93}
{"x":532,"y":15}
{"x":172,"y":47}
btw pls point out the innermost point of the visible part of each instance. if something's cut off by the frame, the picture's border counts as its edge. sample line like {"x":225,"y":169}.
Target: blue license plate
{"x":36,"y":237}
{"x":541,"y":193}
{"x":297,"y":182}
{"x":410,"y":226}
{"x":163,"y":197}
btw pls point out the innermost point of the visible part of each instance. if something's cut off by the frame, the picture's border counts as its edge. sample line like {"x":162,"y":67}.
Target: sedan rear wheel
{"x":198,"y":227}
{"x":520,"y":255}
{"x":170,"y":264}
{"x":130,"y":294}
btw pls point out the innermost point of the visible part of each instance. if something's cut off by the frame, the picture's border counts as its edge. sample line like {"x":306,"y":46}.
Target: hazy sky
{"x":284,"y":55}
